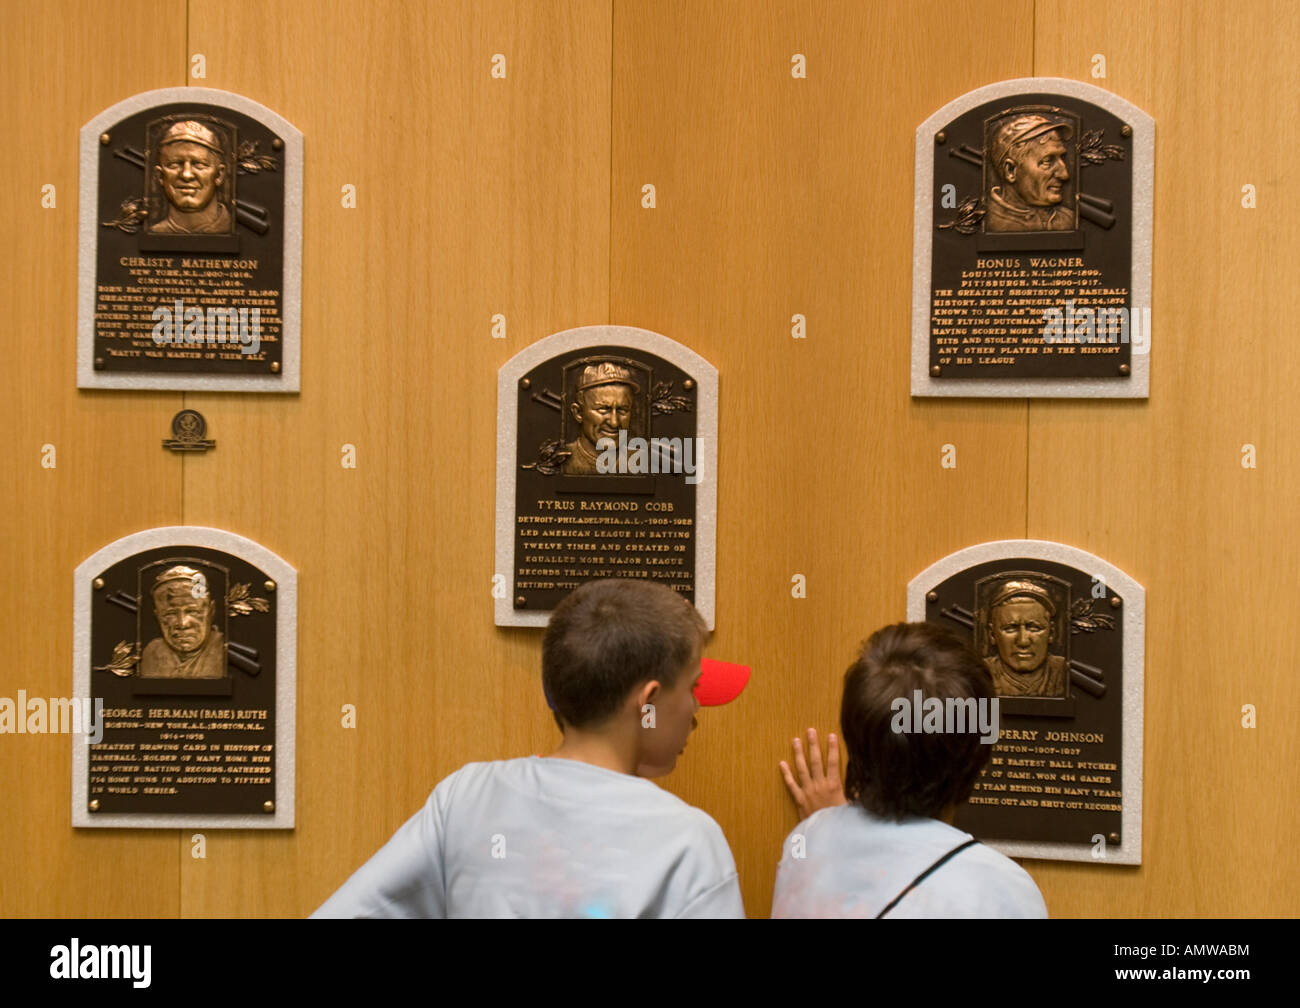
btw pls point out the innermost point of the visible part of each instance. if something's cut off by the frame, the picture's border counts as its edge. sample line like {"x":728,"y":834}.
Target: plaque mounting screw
{"x":525,"y":383}
{"x":932,"y":596}
{"x":1123,"y":369}
{"x":268,"y":806}
{"x":94,"y":804}
{"x":941,"y":138}
{"x":277,"y":143}
{"x":99,"y":362}
{"x":1126,"y":131}
{"x":104,"y":138}
{"x":275,"y":367}
{"x":1114,"y":602}
{"x":98,"y":583}
{"x":935,"y":371}
{"x":270,"y":586}
{"x":688,"y":384}
{"x":520,"y":601}
{"x":1113,"y":838}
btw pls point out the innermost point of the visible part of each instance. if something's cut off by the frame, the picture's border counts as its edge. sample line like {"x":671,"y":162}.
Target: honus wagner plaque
{"x":187,"y":636}
{"x":606,"y":441}
{"x":1062,"y":635}
{"x":190,"y":245}
{"x":1032,"y":244}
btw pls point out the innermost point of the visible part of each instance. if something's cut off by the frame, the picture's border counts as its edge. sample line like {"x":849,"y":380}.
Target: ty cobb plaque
{"x":1032,"y":244}
{"x":605,"y":448}
{"x":190,"y":245}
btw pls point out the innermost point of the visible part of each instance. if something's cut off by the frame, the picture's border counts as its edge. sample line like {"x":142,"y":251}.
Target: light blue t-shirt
{"x":846,"y":862}
{"x":546,"y":837}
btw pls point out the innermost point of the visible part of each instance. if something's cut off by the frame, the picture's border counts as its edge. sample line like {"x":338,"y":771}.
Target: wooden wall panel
{"x":775,"y":197}
{"x":475,"y":196}
{"x":1158,"y":488}
{"x":64,"y":63}
{"x":778,"y":196}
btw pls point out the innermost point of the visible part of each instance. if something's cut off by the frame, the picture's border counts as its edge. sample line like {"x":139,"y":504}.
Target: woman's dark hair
{"x":893,"y":771}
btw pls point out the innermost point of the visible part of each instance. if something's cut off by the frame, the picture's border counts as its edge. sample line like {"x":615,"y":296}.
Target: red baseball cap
{"x":720,"y":682}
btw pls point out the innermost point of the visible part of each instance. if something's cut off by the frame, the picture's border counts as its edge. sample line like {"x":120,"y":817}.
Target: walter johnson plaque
{"x":187,"y":638}
{"x":605,"y":456}
{"x":1032,"y":244}
{"x":1061,"y":633}
{"x":191,"y":244}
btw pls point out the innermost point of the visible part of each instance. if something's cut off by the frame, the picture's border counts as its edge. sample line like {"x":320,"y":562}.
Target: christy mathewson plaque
{"x":190,"y":245}
{"x":1062,"y":635}
{"x":1032,"y":244}
{"x":606,"y":439}
{"x":188,"y":636}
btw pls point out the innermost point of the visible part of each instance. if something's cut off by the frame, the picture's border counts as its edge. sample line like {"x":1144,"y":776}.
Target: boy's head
{"x":608,"y":638}
{"x":896,"y":774}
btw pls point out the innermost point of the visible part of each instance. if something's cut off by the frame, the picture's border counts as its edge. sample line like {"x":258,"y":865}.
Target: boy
{"x":578,"y":833}
{"x":893,"y":852}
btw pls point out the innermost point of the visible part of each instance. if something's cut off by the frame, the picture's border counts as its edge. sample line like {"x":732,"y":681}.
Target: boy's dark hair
{"x":897,"y":774}
{"x":608,"y":637}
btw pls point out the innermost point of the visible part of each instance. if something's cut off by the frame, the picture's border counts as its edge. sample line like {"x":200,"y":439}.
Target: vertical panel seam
{"x":609,"y":248}
{"x":180,"y":834}
{"x":1033,"y":70}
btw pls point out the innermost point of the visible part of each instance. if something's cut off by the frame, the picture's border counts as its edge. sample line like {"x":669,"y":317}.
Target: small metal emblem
{"x":188,"y":433}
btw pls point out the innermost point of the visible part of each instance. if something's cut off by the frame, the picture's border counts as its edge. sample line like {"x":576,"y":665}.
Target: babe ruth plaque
{"x":1032,"y":244}
{"x":187,"y":636}
{"x":1061,"y":633}
{"x":190,"y":245}
{"x":605,"y":448}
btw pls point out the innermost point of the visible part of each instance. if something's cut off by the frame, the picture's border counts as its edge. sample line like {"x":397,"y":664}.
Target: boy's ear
{"x":647,"y":693}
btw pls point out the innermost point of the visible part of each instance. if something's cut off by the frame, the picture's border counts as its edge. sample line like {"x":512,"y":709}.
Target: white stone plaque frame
{"x":88,"y":245}
{"x":1129,"y":850}
{"x":1136,"y":385}
{"x":706,"y":408}
{"x":286,"y":666}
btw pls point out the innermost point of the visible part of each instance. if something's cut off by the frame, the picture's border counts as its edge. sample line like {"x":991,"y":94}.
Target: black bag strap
{"x":925,"y":874}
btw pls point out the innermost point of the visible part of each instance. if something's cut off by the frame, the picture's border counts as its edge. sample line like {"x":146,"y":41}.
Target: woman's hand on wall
{"x":815,"y":788}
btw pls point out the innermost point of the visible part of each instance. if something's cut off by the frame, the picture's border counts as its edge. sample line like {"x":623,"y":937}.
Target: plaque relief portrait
{"x":1027,"y":173}
{"x":604,"y":401}
{"x":190,"y":185}
{"x":1024,"y":650}
{"x":190,"y":646}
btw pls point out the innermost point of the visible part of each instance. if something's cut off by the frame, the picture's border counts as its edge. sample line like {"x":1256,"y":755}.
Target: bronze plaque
{"x":190,"y":245}
{"x":186,"y":636}
{"x":1061,"y":635}
{"x":606,"y":469}
{"x":1033,"y":240}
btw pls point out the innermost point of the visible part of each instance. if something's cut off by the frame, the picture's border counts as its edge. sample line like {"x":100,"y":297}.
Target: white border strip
{"x":1136,"y":386}
{"x":706,"y":500}
{"x":286,"y":675}
{"x":88,"y":246}
{"x":1129,"y":851}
